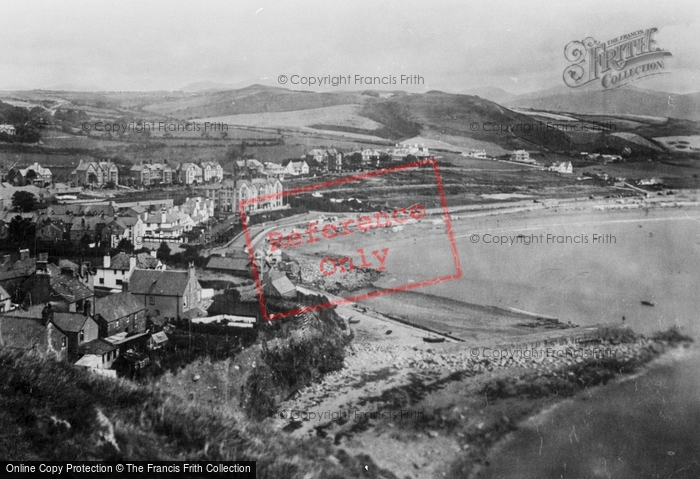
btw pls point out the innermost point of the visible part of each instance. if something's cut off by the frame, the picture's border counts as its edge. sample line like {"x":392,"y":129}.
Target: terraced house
{"x":95,"y":173}
{"x":168,"y":294}
{"x":227,"y":194}
{"x":190,"y":173}
{"x":146,"y":174}
{"x":211,"y":171}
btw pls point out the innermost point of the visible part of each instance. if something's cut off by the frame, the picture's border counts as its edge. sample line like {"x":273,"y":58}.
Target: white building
{"x":295,"y":167}
{"x":521,"y":156}
{"x":562,"y":167}
{"x":118,"y":269}
{"x":9,"y":129}
{"x":190,"y":173}
{"x":211,"y":171}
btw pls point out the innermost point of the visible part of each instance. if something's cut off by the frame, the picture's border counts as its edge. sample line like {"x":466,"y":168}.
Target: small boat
{"x":433,"y":340}
{"x":648,"y":303}
{"x":353,"y":321}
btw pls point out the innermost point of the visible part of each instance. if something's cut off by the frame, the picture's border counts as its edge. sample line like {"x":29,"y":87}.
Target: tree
{"x":11,"y":176}
{"x":23,"y":201}
{"x":21,"y":230}
{"x":111,"y":185}
{"x":31,"y":176}
{"x":125,"y":246}
{"x":163,"y":252}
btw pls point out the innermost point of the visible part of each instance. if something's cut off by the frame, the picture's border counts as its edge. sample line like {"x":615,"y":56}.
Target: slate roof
{"x":281,"y":283}
{"x":97,"y":346}
{"x":70,"y":289}
{"x":69,"y":322}
{"x":159,"y":337}
{"x":118,"y":305}
{"x":227,"y":263}
{"x":164,"y":282}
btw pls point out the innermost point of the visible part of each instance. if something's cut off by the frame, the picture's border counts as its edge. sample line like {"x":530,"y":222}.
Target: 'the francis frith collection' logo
{"x":616,"y":62}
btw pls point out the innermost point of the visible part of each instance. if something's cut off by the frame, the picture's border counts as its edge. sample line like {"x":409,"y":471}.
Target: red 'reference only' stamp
{"x":376,"y":239}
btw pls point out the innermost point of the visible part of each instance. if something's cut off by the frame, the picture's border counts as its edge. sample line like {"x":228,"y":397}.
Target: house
{"x":475,"y":154}
{"x":334,"y":160}
{"x":238,"y":264}
{"x":228,"y":193}
{"x":81,"y":271}
{"x":165,"y":225}
{"x":146,"y":174}
{"x":276,"y":283}
{"x":67,"y":332}
{"x":267,"y":192}
{"x":14,"y":271}
{"x":521,"y":156}
{"x":198,"y":209}
{"x":98,"y":354}
{"x":43,"y":175}
{"x":128,"y":228}
{"x":562,"y":167}
{"x":650,"y":181}
{"x":190,"y":173}
{"x":120,"y":313}
{"x":8,"y":129}
{"x":274,"y":169}
{"x":249,"y":168}
{"x":369,"y":156}
{"x":95,"y":173}
{"x":157,"y":340}
{"x":65,"y":293}
{"x":295,"y":167}
{"x":5,"y":301}
{"x":168,"y":293}
{"x":211,"y":171}
{"x":115,"y":271}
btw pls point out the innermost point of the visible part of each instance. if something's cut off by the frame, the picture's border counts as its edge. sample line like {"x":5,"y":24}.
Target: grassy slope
{"x":147,"y":425}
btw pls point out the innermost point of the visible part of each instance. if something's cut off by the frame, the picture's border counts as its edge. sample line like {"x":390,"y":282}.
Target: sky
{"x":453,"y":46}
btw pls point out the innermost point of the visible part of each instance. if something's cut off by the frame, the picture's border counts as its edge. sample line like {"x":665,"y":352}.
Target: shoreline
{"x":448,"y":388}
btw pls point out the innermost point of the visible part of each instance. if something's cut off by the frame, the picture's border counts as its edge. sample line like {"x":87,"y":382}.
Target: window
{"x":184,"y":301}
{"x":199,"y":295}
{"x":102,"y":281}
{"x":153,"y":300}
{"x":63,"y":342}
{"x":120,"y":282}
{"x":82,"y":335}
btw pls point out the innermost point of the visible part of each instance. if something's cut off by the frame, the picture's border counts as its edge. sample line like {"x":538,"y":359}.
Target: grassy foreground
{"x":52,"y":411}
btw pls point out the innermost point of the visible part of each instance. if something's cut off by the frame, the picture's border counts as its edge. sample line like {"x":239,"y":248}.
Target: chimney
{"x":125,"y":286}
{"x":23,"y":254}
{"x":42,"y":266}
{"x":132,"y":262}
{"x":106,"y":261}
{"x":47,"y":314}
{"x":43,"y":257}
{"x":162,"y":216}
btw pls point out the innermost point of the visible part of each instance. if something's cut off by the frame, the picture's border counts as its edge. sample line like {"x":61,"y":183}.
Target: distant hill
{"x":495,"y":94}
{"x":209,"y":85}
{"x":252,"y":99}
{"x":625,"y":100}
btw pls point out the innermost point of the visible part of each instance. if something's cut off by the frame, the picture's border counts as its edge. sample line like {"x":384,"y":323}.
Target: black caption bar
{"x":105,"y":470}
